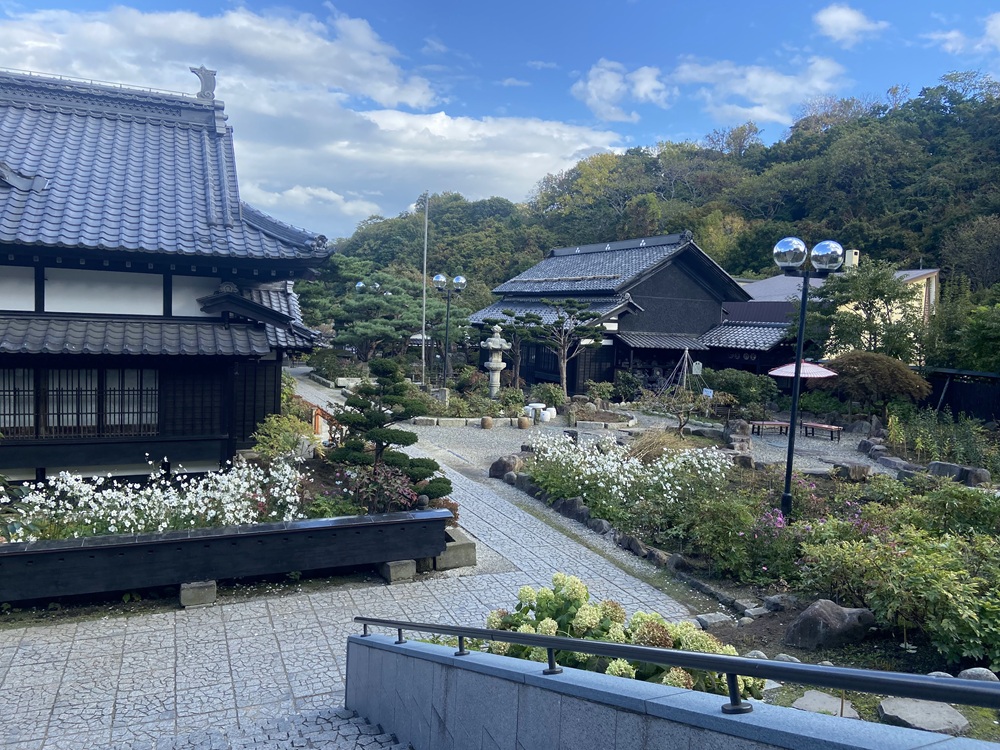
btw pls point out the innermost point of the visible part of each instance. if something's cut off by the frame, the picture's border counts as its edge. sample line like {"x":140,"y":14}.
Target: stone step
{"x":327,"y":729}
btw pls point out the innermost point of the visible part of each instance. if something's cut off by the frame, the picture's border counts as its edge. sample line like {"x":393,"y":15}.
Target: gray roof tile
{"x":751,"y":336}
{"x":652,"y":340}
{"x":602,"y":306}
{"x":603,"y":268}
{"x":280,"y":297}
{"x":129,"y":170}
{"x":60,"y":335}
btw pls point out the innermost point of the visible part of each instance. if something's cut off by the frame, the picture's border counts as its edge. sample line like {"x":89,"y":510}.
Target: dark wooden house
{"x":655,"y":296}
{"x":145,"y":311}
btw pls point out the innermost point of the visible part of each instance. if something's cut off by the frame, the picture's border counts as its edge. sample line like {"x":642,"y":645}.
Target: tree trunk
{"x":562,"y":373}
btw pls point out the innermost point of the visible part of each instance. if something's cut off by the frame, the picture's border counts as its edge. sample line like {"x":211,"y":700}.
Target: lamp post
{"x":457,"y":285}
{"x":791,"y":256}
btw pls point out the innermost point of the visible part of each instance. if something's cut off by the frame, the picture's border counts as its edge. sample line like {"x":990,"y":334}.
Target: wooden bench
{"x":809,"y":429}
{"x":758,"y":427}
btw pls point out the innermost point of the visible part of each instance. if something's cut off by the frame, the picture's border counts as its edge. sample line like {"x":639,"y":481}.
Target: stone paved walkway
{"x":268,"y":672}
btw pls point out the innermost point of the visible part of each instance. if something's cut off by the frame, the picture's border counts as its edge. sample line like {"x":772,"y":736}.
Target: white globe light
{"x":827,"y":256}
{"x":790,"y":252}
{"x":440,"y":280}
{"x":459,"y":282}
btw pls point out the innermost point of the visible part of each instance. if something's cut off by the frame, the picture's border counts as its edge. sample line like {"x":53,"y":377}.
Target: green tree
{"x":867,"y":308}
{"x":572,"y":331}
{"x":981,"y":339}
{"x":944,"y":344}
{"x":873,"y":379}
{"x":973,"y":249}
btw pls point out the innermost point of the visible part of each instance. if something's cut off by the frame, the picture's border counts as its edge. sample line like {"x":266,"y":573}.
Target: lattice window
{"x":17,"y":402}
{"x":71,"y":403}
{"x":131,"y":402}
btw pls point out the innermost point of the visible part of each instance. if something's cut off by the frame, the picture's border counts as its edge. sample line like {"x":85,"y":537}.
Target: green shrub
{"x":550,"y":394}
{"x":628,"y":387}
{"x":602,"y":390}
{"x":281,"y":436}
{"x":746,"y":387}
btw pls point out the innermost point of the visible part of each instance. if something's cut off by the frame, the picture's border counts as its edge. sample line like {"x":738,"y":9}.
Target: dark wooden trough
{"x":45,"y":569}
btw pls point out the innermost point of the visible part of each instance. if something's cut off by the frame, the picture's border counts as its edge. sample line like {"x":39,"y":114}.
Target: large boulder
{"x":927,"y":715}
{"x":738,"y":428}
{"x":712,"y":433}
{"x":825,"y":623}
{"x":507,"y":463}
{"x":861,"y":427}
{"x":852,"y":471}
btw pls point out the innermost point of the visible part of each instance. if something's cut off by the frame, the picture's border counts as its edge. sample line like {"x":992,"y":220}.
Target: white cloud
{"x":541,"y":65}
{"x":294,"y":87}
{"x":847,"y":26}
{"x":956,"y":42}
{"x":733,"y":92}
{"x":609,"y":84}
{"x":513,"y":82}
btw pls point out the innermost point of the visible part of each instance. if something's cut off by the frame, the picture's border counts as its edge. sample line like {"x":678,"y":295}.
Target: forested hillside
{"x":910,"y":180}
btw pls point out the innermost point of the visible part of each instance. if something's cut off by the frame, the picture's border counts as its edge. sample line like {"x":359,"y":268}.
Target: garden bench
{"x":809,"y":429}
{"x":757,"y":427}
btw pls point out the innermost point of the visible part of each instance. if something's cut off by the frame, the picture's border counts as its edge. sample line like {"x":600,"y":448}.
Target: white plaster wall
{"x":17,"y":288}
{"x":108,"y":292}
{"x":187,"y":290}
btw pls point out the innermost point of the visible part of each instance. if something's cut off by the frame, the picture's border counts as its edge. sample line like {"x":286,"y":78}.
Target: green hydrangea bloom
{"x":587,"y":618}
{"x":527,"y":596}
{"x":499,"y":647}
{"x":494,"y":620}
{"x":678,"y":677}
{"x":613,"y":611}
{"x":621,"y":668}
{"x":616,"y":633}
{"x":548,"y":626}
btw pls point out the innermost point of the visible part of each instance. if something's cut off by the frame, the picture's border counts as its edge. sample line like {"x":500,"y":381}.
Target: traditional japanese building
{"x":145,"y":310}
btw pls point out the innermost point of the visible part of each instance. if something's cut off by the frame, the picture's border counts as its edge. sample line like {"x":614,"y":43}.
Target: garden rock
{"x":505,"y":464}
{"x":636,"y":547}
{"x":523,"y":481}
{"x":787,"y":657}
{"x":737,"y":428}
{"x":852,"y":471}
{"x":825,"y":624}
{"x":781,"y":602}
{"x":510,"y":477}
{"x":926,"y":715}
{"x":978,"y":673}
{"x":715,"y":621}
{"x":819,"y":702}
{"x":942,"y":675}
{"x":742,"y":605}
{"x":756,"y":612}
{"x":599,"y":525}
{"x":744,"y":621}
{"x":898,"y":464}
{"x":877,"y":452}
{"x":824,"y":664}
{"x":486,"y":423}
{"x":677,"y":562}
{"x":712,"y":433}
{"x":976,"y":477}
{"x":861,"y":427}
{"x":658,"y":557}
{"x":524,"y":423}
{"x":581,"y":514}
{"x":755,"y":654}
{"x":743,"y":460}
{"x":590,"y":407}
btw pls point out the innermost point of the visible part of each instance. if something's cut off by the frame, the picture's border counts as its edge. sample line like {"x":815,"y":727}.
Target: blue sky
{"x":352,"y":108}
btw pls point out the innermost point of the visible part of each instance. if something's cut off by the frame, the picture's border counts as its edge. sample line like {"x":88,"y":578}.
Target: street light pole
{"x":457,"y":285}
{"x":793,"y":258}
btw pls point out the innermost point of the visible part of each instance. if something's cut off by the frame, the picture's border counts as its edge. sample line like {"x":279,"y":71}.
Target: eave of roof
{"x":76,"y":335}
{"x":745,"y":335}
{"x":653,"y":340}
{"x":603,"y":307}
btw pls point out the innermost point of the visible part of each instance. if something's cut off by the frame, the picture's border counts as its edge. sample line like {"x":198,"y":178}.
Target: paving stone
{"x":819,"y":702}
{"x":927,"y":715}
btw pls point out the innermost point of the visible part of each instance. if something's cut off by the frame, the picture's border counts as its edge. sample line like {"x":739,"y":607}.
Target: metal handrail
{"x":923,"y":687}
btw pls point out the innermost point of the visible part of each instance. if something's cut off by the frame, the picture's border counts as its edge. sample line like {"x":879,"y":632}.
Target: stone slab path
{"x":268,"y":672}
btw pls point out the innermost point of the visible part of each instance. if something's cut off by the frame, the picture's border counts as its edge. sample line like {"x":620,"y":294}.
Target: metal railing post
{"x":553,"y":667}
{"x":736,"y":704}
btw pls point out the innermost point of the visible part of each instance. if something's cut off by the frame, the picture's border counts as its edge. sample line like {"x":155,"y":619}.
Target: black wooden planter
{"x":45,"y":569}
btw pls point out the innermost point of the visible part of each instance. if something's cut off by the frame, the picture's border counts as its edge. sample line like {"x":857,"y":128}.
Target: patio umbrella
{"x":809,"y":370}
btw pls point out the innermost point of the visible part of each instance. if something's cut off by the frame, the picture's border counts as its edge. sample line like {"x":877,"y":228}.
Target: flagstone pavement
{"x":270,"y":672}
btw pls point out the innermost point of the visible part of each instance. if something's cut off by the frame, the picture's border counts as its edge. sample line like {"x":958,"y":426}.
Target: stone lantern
{"x":497,"y":347}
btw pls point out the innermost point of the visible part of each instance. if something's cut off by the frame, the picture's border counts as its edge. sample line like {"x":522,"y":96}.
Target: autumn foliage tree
{"x":873,"y":380}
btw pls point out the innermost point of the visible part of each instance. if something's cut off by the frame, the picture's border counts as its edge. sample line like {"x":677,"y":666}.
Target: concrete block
{"x":460,"y":551}
{"x":580,"y":425}
{"x":586,"y":724}
{"x":198,"y":593}
{"x":451,"y":421}
{"x":424,"y":564}
{"x":398,"y":570}
{"x":536,"y":712}
{"x":425,"y":421}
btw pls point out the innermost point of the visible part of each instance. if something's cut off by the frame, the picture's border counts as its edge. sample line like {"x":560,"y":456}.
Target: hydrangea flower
{"x":621,"y":668}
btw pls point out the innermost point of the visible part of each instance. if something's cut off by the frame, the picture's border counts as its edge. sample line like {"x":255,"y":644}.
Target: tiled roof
{"x":127,"y":170}
{"x":602,"y":306}
{"x":280,"y":297}
{"x":752,"y":336}
{"x":60,"y":335}
{"x":782,"y":288}
{"x":603,"y":268}
{"x":647,"y":340}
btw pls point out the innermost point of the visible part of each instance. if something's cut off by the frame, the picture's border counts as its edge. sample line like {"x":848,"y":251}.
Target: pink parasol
{"x":809,"y":370}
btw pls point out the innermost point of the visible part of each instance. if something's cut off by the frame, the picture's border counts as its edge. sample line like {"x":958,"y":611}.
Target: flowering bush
{"x":68,"y":506}
{"x":637,"y":497}
{"x":565,"y":610}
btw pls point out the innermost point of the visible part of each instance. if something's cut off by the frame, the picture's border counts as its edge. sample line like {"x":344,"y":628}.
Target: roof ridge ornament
{"x":207,"y":78}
